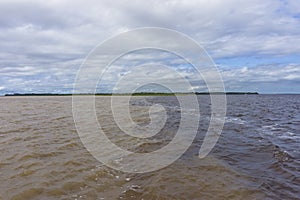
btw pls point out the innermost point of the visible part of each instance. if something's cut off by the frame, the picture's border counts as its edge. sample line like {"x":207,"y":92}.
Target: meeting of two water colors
{"x":256,"y":157}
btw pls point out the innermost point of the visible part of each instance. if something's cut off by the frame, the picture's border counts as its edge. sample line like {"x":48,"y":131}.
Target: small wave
{"x":28,"y":194}
{"x":289,"y":136}
{"x":276,"y":130}
{"x":234,"y":120}
{"x":280,"y":154}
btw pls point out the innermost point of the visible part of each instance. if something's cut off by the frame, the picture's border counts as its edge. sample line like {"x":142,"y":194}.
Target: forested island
{"x":135,"y":94}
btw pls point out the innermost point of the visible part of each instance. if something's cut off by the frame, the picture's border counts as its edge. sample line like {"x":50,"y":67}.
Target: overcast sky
{"x":255,"y":44}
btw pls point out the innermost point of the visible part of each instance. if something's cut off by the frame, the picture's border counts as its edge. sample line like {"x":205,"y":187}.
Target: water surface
{"x":256,"y":157}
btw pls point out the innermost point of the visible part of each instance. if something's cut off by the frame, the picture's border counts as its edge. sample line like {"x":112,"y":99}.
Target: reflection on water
{"x":256,"y":157}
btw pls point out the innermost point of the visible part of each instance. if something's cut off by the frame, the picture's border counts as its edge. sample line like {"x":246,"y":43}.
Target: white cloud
{"x":269,"y":73}
{"x":41,"y":39}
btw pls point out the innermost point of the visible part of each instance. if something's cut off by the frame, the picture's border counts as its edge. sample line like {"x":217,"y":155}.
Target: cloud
{"x":263,"y":78}
{"x":267,"y":73}
{"x":43,"y":41}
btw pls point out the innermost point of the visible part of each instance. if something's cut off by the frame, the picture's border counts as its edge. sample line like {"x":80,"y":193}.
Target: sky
{"x":255,"y":44}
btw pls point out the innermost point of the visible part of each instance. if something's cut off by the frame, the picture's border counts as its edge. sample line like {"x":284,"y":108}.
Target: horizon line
{"x":142,"y":93}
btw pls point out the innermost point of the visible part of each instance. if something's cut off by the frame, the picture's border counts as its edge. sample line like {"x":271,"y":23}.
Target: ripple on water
{"x":31,"y":193}
{"x":256,"y":156}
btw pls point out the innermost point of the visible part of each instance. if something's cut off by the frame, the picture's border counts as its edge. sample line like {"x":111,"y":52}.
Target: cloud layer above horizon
{"x":255,"y":44}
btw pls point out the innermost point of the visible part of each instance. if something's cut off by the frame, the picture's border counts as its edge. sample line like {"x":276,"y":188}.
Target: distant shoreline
{"x":134,"y":94}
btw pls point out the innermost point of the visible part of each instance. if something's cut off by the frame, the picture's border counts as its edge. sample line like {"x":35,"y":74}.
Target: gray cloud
{"x":48,"y":40}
